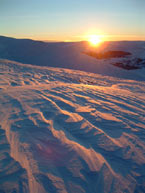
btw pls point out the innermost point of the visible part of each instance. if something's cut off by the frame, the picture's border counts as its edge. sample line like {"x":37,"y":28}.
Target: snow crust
{"x":67,"y":131}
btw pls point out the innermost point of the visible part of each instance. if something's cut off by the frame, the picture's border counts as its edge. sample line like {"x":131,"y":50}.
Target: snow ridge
{"x":70,"y":131}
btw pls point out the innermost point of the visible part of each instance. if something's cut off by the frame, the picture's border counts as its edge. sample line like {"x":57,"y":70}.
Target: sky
{"x":73,"y":20}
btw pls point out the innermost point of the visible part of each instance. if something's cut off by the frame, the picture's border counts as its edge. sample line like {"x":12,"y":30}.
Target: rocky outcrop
{"x":108,"y":54}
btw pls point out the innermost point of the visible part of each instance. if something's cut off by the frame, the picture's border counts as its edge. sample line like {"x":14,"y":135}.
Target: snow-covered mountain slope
{"x":71,"y":55}
{"x":67,"y":131}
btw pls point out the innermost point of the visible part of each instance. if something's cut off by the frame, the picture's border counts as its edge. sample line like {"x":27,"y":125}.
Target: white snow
{"x":67,"y":131}
{"x":71,"y":55}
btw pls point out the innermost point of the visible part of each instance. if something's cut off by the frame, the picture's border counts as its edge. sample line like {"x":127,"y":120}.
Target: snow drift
{"x":67,"y":131}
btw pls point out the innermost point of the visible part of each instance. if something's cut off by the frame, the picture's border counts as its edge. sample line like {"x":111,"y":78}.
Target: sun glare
{"x":94,"y":40}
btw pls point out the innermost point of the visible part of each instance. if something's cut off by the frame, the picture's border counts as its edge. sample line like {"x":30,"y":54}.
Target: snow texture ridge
{"x":67,"y":131}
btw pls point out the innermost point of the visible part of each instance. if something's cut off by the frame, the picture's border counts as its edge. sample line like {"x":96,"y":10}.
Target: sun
{"x":94,"y":40}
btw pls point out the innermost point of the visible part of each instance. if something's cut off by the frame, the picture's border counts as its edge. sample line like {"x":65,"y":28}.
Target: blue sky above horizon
{"x":64,"y":20}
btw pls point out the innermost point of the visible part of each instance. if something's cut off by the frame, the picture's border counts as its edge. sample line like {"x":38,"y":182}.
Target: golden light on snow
{"x":94,"y":40}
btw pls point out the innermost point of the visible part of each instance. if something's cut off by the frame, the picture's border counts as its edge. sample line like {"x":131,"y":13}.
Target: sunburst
{"x":94,"y":40}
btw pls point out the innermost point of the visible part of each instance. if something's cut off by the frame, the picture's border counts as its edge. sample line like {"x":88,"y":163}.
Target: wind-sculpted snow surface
{"x":66,"y":131}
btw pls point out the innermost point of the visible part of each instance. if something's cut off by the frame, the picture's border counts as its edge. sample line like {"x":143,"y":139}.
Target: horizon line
{"x":67,"y":41}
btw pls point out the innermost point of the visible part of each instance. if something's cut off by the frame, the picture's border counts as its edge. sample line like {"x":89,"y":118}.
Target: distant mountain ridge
{"x":70,"y":55}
